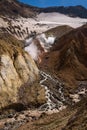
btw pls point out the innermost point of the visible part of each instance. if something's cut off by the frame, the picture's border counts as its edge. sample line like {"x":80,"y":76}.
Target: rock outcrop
{"x":19,"y":75}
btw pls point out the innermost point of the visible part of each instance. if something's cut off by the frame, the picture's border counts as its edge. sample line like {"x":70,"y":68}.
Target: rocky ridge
{"x":14,"y":8}
{"x":72,"y":11}
{"x":66,"y":58}
{"x":19,"y":75}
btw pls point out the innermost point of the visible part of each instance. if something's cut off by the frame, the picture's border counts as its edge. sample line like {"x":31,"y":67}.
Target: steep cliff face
{"x":18,"y":73}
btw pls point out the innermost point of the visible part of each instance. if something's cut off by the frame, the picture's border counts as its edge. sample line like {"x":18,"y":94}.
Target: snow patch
{"x":60,"y":19}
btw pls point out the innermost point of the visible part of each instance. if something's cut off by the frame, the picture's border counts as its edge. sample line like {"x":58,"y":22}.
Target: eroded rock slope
{"x":18,"y":75}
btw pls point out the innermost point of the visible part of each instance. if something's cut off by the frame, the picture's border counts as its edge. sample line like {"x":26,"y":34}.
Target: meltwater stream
{"x":53,"y":104}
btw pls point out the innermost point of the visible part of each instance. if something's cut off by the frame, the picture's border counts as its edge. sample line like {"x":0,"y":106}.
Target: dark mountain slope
{"x":15,"y":8}
{"x":79,"y":120}
{"x":59,"y":31}
{"x":67,"y":59}
{"x":73,"y":11}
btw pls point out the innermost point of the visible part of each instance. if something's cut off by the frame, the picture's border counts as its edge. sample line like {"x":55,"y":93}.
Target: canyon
{"x":43,"y":67}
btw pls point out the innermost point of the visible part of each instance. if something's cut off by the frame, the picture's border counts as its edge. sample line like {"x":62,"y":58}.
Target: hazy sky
{"x":46,"y":3}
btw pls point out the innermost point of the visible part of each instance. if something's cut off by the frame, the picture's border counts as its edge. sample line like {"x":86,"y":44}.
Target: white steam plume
{"x":46,"y":42}
{"x":32,"y":47}
{"x":33,"y":51}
